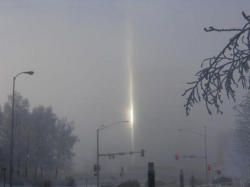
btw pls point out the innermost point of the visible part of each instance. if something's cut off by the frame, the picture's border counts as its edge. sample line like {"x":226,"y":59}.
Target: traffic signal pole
{"x":97,"y":147}
{"x":204,"y":135}
{"x":98,"y":155}
{"x":110,"y":156}
{"x":97,"y":158}
{"x":205,"y":146}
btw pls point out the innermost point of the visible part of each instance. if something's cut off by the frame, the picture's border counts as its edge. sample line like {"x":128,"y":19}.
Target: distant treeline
{"x":42,"y":141}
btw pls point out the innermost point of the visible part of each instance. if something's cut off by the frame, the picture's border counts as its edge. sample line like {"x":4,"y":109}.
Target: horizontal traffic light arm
{"x":193,"y":156}
{"x":112,"y":155}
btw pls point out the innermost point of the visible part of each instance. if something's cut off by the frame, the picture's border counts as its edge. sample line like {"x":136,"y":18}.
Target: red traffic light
{"x":176,"y":156}
{"x":209,"y":167}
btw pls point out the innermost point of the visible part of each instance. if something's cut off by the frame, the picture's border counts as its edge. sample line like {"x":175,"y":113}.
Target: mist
{"x":79,"y":51}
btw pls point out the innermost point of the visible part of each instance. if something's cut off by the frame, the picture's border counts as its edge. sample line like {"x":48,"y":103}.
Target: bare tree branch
{"x":224,"y":72}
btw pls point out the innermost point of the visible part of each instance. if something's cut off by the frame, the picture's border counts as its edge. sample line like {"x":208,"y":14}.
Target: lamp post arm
{"x":13,"y":126}
{"x":24,"y":72}
{"x":112,"y":124}
{"x":18,"y":75}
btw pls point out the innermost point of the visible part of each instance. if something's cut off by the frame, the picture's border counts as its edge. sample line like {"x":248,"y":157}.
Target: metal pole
{"x":97,"y":158}
{"x":205,"y":142}
{"x":192,"y":181}
{"x":151,"y":175}
{"x":86,"y":182}
{"x":12,"y":134}
{"x":181,"y":178}
{"x":4,"y":176}
{"x":97,"y":148}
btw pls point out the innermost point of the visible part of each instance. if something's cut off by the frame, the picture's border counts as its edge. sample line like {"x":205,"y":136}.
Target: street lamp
{"x":205,"y":145}
{"x":12,"y":125}
{"x":97,"y":146}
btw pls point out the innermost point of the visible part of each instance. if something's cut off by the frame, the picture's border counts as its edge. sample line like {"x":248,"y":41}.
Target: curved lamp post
{"x":12,"y":125}
{"x":97,"y":146}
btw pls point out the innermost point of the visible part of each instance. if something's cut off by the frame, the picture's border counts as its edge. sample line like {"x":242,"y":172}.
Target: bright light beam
{"x":132,"y":116}
{"x":129,"y":59}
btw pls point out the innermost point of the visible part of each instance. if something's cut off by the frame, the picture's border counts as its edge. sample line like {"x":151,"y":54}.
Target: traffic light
{"x":218,"y":172}
{"x":142,"y":153}
{"x":111,"y":156}
{"x":176,"y":156}
{"x":209,"y":167}
{"x":95,"y":170}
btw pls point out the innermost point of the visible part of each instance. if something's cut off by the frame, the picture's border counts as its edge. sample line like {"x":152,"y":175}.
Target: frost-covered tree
{"x":53,"y":140}
{"x":222,"y":73}
{"x":21,"y":124}
{"x":242,"y":131}
{"x":64,"y":142}
{"x":42,"y":140}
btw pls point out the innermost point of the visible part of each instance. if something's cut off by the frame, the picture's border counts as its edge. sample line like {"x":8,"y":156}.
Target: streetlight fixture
{"x":12,"y":125}
{"x":97,"y":146}
{"x":205,"y":145}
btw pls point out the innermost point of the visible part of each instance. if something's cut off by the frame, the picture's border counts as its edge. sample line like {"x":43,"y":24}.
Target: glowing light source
{"x":132,"y":116}
{"x":129,"y":60}
{"x":176,"y":156}
{"x":209,"y":167}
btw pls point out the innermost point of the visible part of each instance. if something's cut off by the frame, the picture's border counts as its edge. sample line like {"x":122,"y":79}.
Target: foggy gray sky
{"x":78,"y":52}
